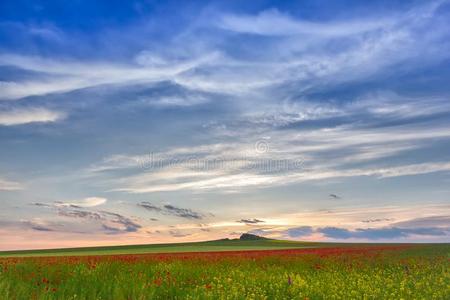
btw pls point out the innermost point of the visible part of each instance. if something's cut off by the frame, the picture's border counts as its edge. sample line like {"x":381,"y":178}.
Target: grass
{"x":218,"y":245}
{"x":331,"y":272}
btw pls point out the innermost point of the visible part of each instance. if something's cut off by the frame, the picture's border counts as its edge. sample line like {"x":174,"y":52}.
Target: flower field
{"x":351,"y":272}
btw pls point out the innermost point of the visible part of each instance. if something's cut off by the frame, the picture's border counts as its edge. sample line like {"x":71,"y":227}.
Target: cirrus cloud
{"x":8,"y":185}
{"x":86,"y":202}
{"x":29,"y":115}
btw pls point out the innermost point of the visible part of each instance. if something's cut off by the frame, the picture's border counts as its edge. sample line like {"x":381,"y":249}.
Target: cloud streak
{"x":250,"y":221}
{"x":29,"y":115}
{"x":102,"y":220}
{"x":86,"y":202}
{"x":171,"y":210}
{"x":8,"y":185}
{"x":275,"y":23}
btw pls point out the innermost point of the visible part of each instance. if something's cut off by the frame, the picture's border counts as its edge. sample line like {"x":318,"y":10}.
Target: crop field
{"x":331,"y":272}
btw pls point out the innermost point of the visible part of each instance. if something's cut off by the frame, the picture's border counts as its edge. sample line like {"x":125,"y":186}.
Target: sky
{"x":132,"y":122}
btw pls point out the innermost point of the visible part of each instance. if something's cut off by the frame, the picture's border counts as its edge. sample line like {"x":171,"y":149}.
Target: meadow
{"x":205,"y":246}
{"x":324,"y":272}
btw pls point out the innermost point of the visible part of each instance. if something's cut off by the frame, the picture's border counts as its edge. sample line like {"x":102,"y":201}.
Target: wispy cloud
{"x":429,"y":221}
{"x":34,"y":224}
{"x":274,"y":22}
{"x":238,"y":171}
{"x":178,"y":234}
{"x":377,"y":220}
{"x":293,"y":154}
{"x":29,"y":115}
{"x":100,"y":220}
{"x":86,"y":202}
{"x":82,"y":214}
{"x":8,"y":185}
{"x":250,"y":221}
{"x":171,"y":210}
{"x":125,"y":224}
{"x":376,"y":43}
{"x":73,"y":75}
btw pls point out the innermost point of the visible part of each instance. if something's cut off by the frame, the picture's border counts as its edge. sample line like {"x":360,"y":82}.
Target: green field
{"x":230,"y":269}
{"x":218,"y":245}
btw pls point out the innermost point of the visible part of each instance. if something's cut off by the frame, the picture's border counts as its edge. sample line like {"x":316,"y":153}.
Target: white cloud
{"x":173,"y":101}
{"x":206,"y":67}
{"x":426,"y":221}
{"x":229,"y":179}
{"x":293,"y":156}
{"x":224,"y":183}
{"x":375,"y":107}
{"x":413,"y":169}
{"x":29,"y":115}
{"x":73,"y":75}
{"x":273,"y":22}
{"x":7,"y":185}
{"x":403,"y":170}
{"x":86,"y":202}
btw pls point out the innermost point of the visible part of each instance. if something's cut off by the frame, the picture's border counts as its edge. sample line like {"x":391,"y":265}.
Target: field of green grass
{"x":230,"y":269}
{"x":218,"y":245}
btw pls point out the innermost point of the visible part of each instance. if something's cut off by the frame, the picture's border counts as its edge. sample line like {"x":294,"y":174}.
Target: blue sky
{"x":154,"y":121}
